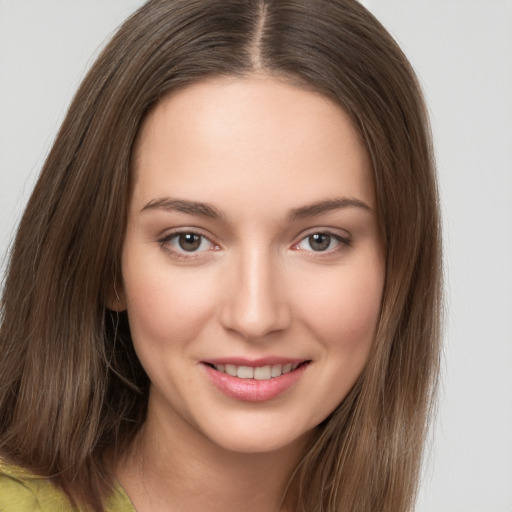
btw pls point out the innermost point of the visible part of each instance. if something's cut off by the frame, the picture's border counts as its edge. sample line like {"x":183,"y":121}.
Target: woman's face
{"x":252,"y":269}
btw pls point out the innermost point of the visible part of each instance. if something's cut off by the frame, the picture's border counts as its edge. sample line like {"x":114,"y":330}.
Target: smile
{"x":259,"y":372}
{"x":263,"y":380}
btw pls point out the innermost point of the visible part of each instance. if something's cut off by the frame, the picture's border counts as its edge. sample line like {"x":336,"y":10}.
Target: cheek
{"x":344,"y":306}
{"x":167,"y":307}
{"x":342,"y":316}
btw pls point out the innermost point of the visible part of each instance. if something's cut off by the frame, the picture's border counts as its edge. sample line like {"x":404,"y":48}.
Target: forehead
{"x":244,"y":136}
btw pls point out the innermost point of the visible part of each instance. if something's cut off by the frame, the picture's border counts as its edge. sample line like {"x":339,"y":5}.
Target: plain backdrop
{"x":462,"y":51}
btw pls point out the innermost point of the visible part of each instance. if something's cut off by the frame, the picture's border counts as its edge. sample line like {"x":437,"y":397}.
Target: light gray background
{"x":462,"y":50}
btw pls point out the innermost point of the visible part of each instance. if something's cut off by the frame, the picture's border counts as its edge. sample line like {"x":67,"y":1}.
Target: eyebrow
{"x":207,"y":210}
{"x":313,"y":209}
{"x":181,"y":205}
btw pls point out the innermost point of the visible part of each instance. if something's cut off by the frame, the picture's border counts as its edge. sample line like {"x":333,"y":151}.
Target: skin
{"x":256,"y":150}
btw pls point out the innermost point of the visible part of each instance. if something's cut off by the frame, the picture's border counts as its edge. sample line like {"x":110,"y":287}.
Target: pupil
{"x":319,"y":241}
{"x":189,"y":241}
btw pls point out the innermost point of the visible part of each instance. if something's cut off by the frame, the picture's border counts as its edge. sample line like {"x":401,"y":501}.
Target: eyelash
{"x":164,"y":242}
{"x":343,"y":242}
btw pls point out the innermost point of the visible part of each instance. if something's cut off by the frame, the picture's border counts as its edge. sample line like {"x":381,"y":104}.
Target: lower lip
{"x":252,"y":390}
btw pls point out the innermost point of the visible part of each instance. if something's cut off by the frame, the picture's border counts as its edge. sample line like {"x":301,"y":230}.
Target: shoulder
{"x":22,"y":491}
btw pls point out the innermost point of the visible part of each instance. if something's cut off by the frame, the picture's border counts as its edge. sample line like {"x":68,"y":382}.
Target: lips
{"x":254,"y":381}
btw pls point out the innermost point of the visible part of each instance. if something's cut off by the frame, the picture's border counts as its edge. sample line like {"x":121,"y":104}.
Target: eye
{"x":322,"y":242}
{"x":186,"y":242}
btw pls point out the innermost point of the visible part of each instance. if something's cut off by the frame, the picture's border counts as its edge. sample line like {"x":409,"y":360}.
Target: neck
{"x":179,"y":470}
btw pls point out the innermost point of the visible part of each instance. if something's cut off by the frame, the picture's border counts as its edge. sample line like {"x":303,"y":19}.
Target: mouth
{"x":264,"y":372}
{"x":255,"y":381}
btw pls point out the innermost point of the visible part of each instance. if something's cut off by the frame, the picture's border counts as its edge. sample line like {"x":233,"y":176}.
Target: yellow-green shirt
{"x":21,"y":491}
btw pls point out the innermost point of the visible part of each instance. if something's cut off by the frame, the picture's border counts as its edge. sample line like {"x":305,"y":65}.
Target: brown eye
{"x":319,"y":241}
{"x":186,"y":242}
{"x":329,"y":243}
{"x":189,"y":241}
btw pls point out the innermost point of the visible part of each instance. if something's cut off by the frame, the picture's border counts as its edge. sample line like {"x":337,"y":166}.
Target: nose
{"x":255,"y":302}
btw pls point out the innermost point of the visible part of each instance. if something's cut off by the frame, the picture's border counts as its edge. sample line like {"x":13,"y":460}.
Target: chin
{"x":258,"y":436}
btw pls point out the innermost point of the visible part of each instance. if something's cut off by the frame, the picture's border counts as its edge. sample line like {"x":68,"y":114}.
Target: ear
{"x":116,"y":300}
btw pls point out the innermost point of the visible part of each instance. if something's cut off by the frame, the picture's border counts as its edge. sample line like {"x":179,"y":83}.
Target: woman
{"x":224,"y":292}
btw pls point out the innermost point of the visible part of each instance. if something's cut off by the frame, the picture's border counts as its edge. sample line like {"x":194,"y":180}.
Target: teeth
{"x":276,"y":370}
{"x":258,"y":373}
{"x":230,"y":370}
{"x":263,"y":372}
{"x":245,"y":372}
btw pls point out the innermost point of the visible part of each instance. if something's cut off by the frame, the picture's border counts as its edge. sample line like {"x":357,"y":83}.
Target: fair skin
{"x":251,"y":246}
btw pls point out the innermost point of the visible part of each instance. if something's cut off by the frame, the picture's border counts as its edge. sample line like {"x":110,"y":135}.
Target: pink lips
{"x":252,"y":390}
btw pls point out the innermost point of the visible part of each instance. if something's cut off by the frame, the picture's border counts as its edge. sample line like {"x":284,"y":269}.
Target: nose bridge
{"x":256,"y":305}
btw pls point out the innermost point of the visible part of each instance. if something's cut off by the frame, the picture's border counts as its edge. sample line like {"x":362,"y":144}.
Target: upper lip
{"x":254,"y":363}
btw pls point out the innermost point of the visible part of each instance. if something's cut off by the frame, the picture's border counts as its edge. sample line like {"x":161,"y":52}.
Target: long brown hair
{"x":71,"y":385}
